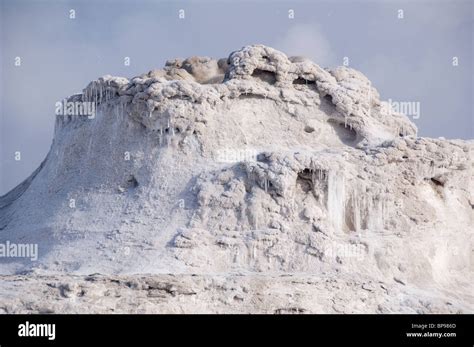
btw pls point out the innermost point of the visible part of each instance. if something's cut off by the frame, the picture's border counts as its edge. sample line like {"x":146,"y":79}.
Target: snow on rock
{"x":257,"y":163}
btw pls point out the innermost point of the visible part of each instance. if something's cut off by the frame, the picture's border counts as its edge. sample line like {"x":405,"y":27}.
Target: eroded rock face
{"x":266,"y":294}
{"x":257,"y":163}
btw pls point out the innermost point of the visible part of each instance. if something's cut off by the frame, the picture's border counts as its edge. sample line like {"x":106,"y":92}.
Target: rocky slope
{"x":258,"y":293}
{"x":258,"y":165}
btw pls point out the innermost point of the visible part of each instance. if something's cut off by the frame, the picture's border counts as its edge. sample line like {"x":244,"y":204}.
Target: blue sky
{"x":407,"y":59}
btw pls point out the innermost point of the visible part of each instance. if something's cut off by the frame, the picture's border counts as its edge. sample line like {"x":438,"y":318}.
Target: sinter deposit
{"x":249,"y":169}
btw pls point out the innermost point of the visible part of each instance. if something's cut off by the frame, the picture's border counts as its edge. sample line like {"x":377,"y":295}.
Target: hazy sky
{"x":407,"y":59}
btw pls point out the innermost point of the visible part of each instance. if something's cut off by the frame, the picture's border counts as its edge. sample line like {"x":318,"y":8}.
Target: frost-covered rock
{"x":257,"y":163}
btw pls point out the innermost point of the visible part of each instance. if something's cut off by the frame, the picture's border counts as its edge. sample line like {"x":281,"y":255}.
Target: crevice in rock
{"x":328,"y":98}
{"x":131,"y":182}
{"x":265,"y":76}
{"x":301,"y":80}
{"x":347,"y":135}
{"x":305,"y":180}
{"x":437,"y":182}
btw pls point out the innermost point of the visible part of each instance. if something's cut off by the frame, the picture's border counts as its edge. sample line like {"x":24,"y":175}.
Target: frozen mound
{"x":255,"y":164}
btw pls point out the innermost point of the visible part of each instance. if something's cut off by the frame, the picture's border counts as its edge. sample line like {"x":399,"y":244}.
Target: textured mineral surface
{"x":256,"y":183}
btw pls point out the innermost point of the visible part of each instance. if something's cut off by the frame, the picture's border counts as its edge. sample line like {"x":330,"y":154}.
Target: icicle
{"x":336,"y":200}
{"x":376,"y":212}
{"x":381,"y":210}
{"x":355,"y":210}
{"x":384,"y":211}
{"x":96,"y":98}
{"x":120,"y":109}
{"x":345,"y":121}
{"x":362,"y":205}
{"x":369,"y":212}
{"x":265,"y":183}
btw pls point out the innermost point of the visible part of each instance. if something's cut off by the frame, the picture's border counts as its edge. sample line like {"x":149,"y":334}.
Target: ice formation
{"x":158,"y":181}
{"x":336,"y":200}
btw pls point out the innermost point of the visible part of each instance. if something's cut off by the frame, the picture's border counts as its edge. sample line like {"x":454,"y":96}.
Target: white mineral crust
{"x":265,"y":176}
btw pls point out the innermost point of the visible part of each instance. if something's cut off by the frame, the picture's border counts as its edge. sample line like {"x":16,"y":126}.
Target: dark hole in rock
{"x":132,"y":182}
{"x":309,"y":129}
{"x":262,"y":157}
{"x":305,"y":180}
{"x":437,"y":182}
{"x":265,"y":76}
{"x":301,"y":80}
{"x":328,"y":98}
{"x":347,"y":134}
